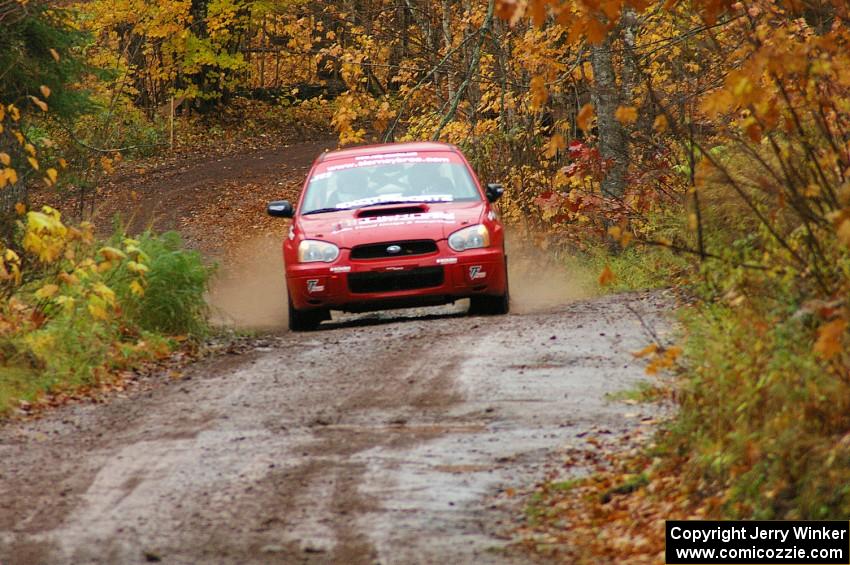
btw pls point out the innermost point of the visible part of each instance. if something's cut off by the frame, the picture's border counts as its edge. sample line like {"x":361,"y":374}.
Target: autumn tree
{"x":39,"y":58}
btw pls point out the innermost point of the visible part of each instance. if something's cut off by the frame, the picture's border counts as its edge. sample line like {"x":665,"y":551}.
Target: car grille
{"x":408,"y":248}
{"x":390,"y":281}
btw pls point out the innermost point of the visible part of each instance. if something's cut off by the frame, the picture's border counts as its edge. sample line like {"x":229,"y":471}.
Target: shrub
{"x":764,"y":420}
{"x":73,"y":308}
{"x":177,"y":279}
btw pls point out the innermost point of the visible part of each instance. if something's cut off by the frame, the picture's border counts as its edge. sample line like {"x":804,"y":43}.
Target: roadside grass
{"x":763,"y":418}
{"x":77,"y":311}
{"x":641,"y":393}
{"x":633,"y":268}
{"x":19,"y":383}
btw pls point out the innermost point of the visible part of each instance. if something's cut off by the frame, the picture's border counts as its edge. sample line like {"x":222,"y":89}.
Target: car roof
{"x":387,"y":148}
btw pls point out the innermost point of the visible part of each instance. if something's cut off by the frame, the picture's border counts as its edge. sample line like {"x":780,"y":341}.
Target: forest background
{"x":702,"y":145}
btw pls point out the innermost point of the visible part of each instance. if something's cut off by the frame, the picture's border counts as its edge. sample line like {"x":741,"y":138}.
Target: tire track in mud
{"x":375,"y":440}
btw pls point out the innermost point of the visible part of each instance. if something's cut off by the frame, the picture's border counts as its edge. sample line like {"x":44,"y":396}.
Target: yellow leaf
{"x":104,"y":292}
{"x":648,"y":350}
{"x":673,"y":352}
{"x":52,"y":174}
{"x":660,"y":125}
{"x":55,"y":54}
{"x":11,"y":175}
{"x":69,"y":279}
{"x":112,"y":254}
{"x":106,"y":163}
{"x":38,"y":102}
{"x":33,"y":162}
{"x":66,"y":301}
{"x":556,"y":143}
{"x":46,"y":291}
{"x":585,"y":117}
{"x":539,"y":92}
{"x":137,"y":289}
{"x":5,"y":159}
{"x":63,"y":163}
{"x":626,"y":114}
{"x":606,"y":277}
{"x":137,"y":267}
{"x":98,"y":311}
{"x":45,"y":90}
{"x":20,"y":208}
{"x":828,"y":344}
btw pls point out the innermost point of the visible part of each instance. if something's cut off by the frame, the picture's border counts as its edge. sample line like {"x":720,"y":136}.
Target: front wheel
{"x":487,"y":305}
{"x":304,"y":320}
{"x":490,"y":305}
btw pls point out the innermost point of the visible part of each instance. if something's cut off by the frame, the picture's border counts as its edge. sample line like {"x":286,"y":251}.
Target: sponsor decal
{"x":475,"y":272}
{"x":395,"y":199}
{"x":397,"y":220}
{"x":388,"y":159}
{"x":447,"y":261}
{"x":387,"y":156}
{"x":313,"y":286}
{"x":344,"y":269}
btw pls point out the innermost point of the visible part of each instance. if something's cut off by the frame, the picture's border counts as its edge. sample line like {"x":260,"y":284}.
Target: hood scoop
{"x":391,"y":210}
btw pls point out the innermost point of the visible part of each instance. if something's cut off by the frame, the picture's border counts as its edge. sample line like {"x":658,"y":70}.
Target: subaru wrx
{"x":392,"y":226}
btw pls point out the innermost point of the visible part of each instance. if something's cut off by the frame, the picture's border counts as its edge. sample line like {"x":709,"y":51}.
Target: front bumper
{"x":375,"y":284}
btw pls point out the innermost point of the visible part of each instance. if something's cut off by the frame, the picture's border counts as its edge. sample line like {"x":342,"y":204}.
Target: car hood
{"x":348,"y":228}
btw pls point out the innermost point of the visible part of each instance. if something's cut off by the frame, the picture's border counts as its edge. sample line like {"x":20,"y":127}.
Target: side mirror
{"x":280,"y":209}
{"x":494,"y":191}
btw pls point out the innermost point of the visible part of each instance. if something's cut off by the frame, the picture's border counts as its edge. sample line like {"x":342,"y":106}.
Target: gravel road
{"x":374,"y":440}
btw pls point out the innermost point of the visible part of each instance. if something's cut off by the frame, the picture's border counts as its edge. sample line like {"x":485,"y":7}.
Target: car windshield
{"x":384,"y":179}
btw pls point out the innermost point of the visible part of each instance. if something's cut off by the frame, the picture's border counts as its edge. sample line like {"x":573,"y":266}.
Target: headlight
{"x":311,"y":251}
{"x":473,"y":237}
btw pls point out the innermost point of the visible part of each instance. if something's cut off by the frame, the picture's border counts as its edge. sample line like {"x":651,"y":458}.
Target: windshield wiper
{"x":324,"y":211}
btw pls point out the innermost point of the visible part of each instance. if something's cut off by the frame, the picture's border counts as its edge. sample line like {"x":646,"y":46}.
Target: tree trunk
{"x":613,"y":142}
{"x":447,"y":44}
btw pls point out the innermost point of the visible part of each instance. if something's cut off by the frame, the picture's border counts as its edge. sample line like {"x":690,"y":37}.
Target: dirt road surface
{"x":376,"y":440}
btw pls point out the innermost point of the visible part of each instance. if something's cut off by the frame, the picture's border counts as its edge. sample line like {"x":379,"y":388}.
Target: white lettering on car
{"x":475,"y":272}
{"x":397,"y":220}
{"x":392,"y":159}
{"x":395,"y":199}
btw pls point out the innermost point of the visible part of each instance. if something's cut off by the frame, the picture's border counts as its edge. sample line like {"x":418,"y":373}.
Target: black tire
{"x":304,"y":320}
{"x":488,"y":305}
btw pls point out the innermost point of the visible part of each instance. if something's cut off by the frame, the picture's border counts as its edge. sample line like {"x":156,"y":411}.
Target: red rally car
{"x":392,"y":226}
